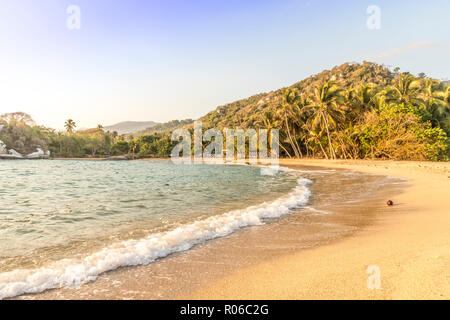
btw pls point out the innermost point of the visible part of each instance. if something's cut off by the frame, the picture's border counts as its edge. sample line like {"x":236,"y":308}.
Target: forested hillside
{"x":351,"y":111}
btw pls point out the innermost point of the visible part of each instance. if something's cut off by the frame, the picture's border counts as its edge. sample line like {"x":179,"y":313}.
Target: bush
{"x":120,"y":148}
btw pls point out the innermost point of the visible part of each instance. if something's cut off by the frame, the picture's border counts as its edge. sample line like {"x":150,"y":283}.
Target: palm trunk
{"x":290,"y":138}
{"x":287,"y":152}
{"x":296,"y":143}
{"x":333,"y":154}
{"x":323,"y":150}
{"x":307,"y":149}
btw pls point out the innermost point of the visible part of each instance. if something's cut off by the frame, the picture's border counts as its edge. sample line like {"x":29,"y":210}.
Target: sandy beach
{"x":308,"y":256}
{"x":411,"y":247}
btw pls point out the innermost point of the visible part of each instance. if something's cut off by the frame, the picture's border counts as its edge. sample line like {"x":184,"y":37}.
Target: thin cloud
{"x":411,"y":47}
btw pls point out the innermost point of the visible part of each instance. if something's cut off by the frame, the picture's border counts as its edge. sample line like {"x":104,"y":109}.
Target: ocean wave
{"x":72,"y":273}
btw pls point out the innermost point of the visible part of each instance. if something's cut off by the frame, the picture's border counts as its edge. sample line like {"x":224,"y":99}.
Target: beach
{"x":411,"y":247}
{"x":321,"y":251}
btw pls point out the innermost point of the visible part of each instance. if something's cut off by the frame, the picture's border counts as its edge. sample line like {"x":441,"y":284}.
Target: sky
{"x":172,"y":59}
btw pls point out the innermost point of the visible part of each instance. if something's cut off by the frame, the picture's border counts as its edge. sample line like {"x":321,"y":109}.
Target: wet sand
{"x":344,"y":203}
{"x":410,"y":245}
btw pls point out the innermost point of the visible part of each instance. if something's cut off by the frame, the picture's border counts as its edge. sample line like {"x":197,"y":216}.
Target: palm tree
{"x":269,"y":121}
{"x":361,"y":99}
{"x":133,"y":145}
{"x":114,"y":136}
{"x":70,"y":125}
{"x":326,"y":103}
{"x":434,"y":99}
{"x":405,"y":89}
{"x":290,"y":106}
{"x":313,"y":137}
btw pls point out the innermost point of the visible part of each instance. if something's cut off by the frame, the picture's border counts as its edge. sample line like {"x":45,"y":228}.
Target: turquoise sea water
{"x":65,"y":222}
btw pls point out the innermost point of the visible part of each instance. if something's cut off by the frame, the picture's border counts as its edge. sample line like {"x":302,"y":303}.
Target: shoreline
{"x":272,"y":241}
{"x":411,"y":247}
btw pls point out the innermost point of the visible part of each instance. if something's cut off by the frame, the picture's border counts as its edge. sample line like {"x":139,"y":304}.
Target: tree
{"x":325,"y":102}
{"x":70,"y":125}
{"x":434,"y":98}
{"x":17,"y":118}
{"x":361,"y":99}
{"x":120,"y":148}
{"x":133,"y":145}
{"x":405,"y":89}
{"x":290,"y":104}
{"x":114,"y":135}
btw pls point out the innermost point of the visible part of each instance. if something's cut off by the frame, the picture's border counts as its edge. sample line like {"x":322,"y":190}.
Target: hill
{"x":163,"y":128}
{"x":130,"y":126}
{"x":355,"y":110}
{"x":250,"y":112}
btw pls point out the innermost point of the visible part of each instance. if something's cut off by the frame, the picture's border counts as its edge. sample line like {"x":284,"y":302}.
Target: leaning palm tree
{"x":70,"y":125}
{"x":313,"y":139}
{"x":269,"y":121}
{"x":290,"y":106}
{"x":326,"y":104}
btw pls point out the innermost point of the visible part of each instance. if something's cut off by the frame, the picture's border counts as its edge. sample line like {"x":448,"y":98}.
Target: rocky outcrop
{"x":13,"y":154}
{"x":39,"y":154}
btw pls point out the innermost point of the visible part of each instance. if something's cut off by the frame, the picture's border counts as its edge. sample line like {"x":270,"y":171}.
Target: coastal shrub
{"x":400,"y":132}
{"x":120,"y":148}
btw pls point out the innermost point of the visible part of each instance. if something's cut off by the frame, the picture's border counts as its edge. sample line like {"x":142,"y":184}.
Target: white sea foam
{"x":317,"y":211}
{"x":72,"y":273}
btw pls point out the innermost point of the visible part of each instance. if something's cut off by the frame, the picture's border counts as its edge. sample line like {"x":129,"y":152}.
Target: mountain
{"x":166,"y":127}
{"x":130,"y":126}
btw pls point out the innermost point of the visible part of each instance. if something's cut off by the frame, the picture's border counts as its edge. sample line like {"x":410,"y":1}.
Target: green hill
{"x":250,"y":112}
{"x":351,"y":111}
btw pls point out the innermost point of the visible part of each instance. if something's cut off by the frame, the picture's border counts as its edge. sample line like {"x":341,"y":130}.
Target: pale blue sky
{"x":164,"y":60}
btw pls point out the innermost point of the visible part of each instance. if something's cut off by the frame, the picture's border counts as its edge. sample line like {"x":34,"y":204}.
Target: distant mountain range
{"x":163,"y":128}
{"x":130,"y":126}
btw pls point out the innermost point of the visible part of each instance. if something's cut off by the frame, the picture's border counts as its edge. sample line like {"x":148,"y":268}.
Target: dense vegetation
{"x":21,"y":134}
{"x":354,"y":111}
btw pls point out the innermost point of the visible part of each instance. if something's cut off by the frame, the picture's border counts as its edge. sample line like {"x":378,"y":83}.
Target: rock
{"x":3,"y":149}
{"x":39,"y":154}
{"x":15,"y":153}
{"x":12,"y":154}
